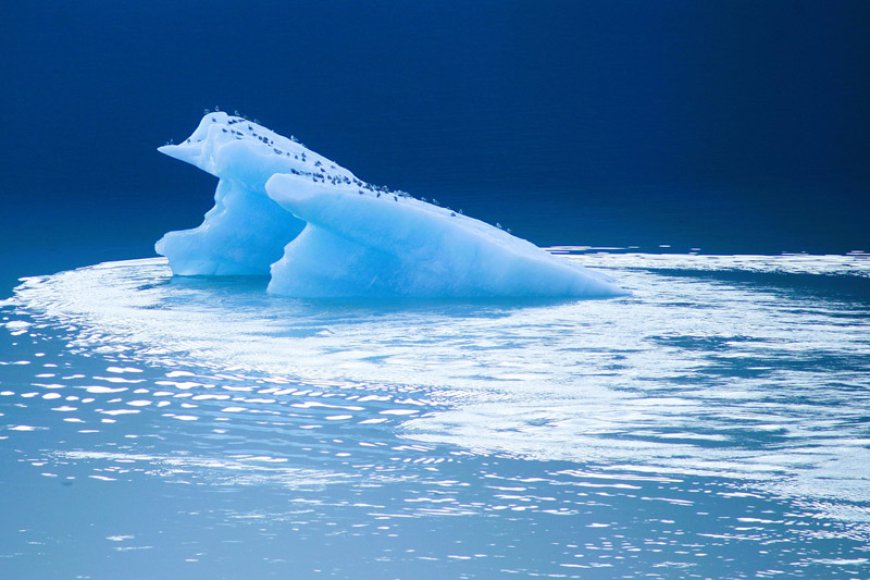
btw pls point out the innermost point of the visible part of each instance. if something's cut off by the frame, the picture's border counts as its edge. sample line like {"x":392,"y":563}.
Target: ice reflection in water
{"x":724,"y":405}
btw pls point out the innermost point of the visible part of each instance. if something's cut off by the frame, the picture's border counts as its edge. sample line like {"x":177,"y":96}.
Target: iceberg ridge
{"x":320,"y":231}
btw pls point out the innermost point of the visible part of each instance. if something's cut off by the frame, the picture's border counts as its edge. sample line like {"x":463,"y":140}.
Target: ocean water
{"x":713,"y":424}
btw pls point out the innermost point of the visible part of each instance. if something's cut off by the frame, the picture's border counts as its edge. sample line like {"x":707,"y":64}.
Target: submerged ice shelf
{"x":320,"y":231}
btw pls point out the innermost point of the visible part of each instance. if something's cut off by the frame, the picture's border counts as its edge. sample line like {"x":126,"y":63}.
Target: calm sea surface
{"x":714,"y":424}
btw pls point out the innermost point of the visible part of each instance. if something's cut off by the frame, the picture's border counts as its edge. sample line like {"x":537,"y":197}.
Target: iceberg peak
{"x":245,"y":232}
{"x":319,"y":231}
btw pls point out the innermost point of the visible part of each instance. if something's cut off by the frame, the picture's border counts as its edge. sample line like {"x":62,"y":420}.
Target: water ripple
{"x":739,"y":404}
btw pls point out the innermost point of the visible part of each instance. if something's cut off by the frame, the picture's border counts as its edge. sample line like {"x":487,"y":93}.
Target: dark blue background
{"x":735,"y":126}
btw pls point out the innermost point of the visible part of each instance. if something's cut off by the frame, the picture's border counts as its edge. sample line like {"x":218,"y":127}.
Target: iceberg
{"x":320,"y":232}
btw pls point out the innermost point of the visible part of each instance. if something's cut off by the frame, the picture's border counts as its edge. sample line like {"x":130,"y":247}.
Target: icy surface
{"x":322,"y":232}
{"x":245,"y":231}
{"x":364,"y":244}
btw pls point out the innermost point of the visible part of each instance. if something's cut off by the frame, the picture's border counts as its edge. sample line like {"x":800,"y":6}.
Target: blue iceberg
{"x":321,"y":232}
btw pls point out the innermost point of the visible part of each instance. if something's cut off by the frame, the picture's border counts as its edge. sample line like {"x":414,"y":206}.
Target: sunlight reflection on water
{"x":724,"y":377}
